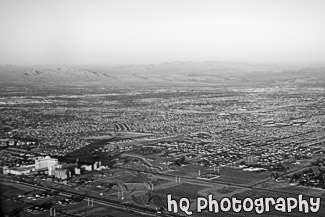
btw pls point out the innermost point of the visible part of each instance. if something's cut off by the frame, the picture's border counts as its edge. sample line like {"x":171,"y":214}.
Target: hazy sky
{"x":152,"y":31}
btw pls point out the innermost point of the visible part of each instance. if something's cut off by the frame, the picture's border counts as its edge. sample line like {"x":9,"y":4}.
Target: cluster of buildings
{"x":40,"y":164}
{"x":209,"y":152}
{"x":51,"y":167}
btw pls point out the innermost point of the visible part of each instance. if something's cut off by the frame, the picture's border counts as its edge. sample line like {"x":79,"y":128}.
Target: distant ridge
{"x":168,"y":73}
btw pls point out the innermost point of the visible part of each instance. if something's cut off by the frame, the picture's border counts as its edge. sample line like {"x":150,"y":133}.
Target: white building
{"x":45,"y":163}
{"x":22,"y":170}
{"x":77,"y":171}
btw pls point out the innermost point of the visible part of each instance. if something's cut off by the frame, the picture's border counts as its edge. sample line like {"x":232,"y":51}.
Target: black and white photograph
{"x":131,"y":108}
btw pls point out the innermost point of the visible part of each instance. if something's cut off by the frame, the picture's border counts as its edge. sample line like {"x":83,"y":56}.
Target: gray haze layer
{"x":151,"y":32}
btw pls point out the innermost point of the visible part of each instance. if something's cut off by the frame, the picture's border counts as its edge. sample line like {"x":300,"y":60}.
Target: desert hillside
{"x":172,"y":73}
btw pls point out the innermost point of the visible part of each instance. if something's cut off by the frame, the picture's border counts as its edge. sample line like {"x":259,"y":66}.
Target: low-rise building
{"x":45,"y":163}
{"x":22,"y":170}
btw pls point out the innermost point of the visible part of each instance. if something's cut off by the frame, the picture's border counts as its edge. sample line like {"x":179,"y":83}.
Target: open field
{"x":227,"y":174}
{"x":190,"y":170}
{"x":9,"y":190}
{"x":238,"y":176}
{"x":8,"y":206}
{"x":182,"y":190}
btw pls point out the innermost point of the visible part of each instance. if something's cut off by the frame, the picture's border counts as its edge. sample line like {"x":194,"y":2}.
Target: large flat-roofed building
{"x":45,"y":163}
{"x":22,"y":170}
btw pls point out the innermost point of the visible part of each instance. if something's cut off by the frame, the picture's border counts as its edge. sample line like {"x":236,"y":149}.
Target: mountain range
{"x":170,"y":73}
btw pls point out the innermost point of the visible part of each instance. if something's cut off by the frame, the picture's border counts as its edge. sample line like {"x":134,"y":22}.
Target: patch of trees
{"x":180,"y":161}
{"x":275,"y":175}
{"x":313,"y":176}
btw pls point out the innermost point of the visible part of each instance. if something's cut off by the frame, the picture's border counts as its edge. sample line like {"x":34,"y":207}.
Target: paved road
{"x":113,"y":204}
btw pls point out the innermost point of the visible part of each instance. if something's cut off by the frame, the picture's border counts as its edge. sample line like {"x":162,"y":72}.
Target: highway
{"x":148,"y":212}
{"x":102,"y":201}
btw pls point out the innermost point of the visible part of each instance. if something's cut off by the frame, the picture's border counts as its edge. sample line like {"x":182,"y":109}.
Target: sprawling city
{"x":142,"y":108}
{"x":119,"y":151}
